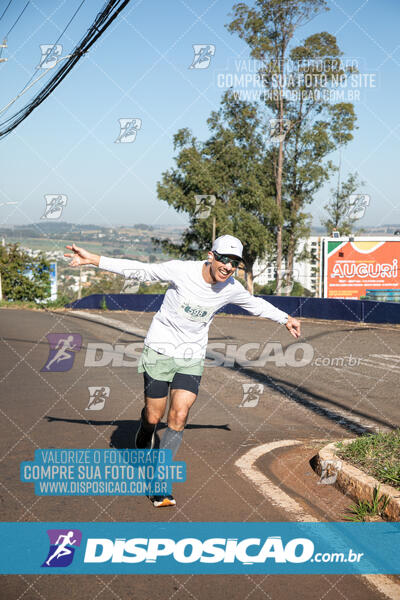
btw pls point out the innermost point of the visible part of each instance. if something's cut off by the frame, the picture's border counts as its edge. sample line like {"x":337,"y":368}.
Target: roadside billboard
{"x":352,"y":267}
{"x":53,"y":280}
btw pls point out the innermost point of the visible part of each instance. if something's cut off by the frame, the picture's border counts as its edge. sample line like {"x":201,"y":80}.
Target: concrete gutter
{"x":353,"y":482}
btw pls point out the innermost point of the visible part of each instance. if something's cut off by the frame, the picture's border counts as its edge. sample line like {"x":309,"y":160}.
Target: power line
{"x":4,"y":45}
{"x":55,"y":43}
{"x":5,"y":10}
{"x":99,"y":26}
{"x":27,"y":87}
{"x":17,"y":19}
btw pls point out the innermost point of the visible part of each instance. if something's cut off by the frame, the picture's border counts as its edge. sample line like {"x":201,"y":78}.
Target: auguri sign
{"x":353,"y":267}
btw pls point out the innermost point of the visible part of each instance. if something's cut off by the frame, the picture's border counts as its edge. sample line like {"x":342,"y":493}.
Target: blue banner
{"x":204,"y":548}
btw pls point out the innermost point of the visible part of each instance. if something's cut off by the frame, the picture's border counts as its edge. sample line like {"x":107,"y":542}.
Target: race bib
{"x":194,"y":312}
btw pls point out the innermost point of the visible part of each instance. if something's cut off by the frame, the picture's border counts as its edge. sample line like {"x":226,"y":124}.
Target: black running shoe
{"x":145,"y":440}
{"x":161,"y":501}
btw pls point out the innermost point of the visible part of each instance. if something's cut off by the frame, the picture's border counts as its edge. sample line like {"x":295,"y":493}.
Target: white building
{"x":305,"y":270}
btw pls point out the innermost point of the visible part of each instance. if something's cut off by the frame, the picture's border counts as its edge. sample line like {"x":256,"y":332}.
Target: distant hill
{"x":53,"y":228}
{"x":47,"y":227}
{"x":366,"y":230}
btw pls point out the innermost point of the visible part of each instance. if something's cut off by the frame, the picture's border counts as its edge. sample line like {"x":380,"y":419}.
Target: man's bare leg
{"x":181,"y":402}
{"x":154,"y":409}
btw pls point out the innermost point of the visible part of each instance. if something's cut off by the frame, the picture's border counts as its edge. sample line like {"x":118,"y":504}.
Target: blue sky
{"x":140,"y":69}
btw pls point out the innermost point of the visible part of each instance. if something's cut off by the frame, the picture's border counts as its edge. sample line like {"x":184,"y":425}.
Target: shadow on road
{"x":124,"y":434}
{"x":305,"y":397}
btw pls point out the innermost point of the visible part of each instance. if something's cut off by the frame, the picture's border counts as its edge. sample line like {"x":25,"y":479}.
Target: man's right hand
{"x":293,"y":326}
{"x":80,"y":256}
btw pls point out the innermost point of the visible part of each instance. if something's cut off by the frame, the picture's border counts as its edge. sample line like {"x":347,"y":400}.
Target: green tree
{"x":105,"y":283}
{"x":268,"y":29}
{"x":269,"y":289}
{"x":309,"y":125}
{"x":319,"y":128}
{"x":233,"y":166}
{"x":23,"y":278}
{"x":339,"y":208}
{"x":153,"y":288}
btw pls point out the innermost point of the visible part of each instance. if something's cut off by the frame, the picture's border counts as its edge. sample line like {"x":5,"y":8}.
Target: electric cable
{"x":5,"y":10}
{"x":56,"y":42}
{"x":99,"y":26}
{"x":17,"y":19}
{"x":12,"y":27}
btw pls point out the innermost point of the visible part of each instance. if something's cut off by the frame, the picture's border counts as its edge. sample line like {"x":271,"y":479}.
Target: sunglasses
{"x":224,"y":259}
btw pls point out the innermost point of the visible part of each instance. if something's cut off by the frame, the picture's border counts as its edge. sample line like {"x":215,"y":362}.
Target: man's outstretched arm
{"x":261,"y":308}
{"x":130,"y":269}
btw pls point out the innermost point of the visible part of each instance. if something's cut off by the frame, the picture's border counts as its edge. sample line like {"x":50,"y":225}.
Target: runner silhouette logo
{"x":63,"y":543}
{"x":62,"y":351}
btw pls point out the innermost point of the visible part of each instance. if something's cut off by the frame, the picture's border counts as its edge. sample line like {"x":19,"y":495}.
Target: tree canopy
{"x":23,"y":277}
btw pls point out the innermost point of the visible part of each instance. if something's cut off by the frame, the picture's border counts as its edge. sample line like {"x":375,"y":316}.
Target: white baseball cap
{"x":227,"y":244}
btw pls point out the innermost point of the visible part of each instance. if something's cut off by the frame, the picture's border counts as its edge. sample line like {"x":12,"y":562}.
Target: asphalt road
{"x":331,"y":397}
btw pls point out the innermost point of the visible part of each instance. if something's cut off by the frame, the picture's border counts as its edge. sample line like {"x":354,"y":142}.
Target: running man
{"x":63,"y":348}
{"x":62,"y":549}
{"x":99,"y":397}
{"x":176,"y":342}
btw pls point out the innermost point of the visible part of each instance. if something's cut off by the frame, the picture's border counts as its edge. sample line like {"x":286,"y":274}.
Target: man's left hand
{"x":293,"y":326}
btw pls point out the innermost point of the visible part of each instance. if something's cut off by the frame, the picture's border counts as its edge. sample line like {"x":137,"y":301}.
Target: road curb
{"x":355,"y":483}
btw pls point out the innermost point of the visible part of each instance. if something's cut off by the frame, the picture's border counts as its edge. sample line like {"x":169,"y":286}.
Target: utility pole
{"x":3,"y":243}
{"x":3,"y":45}
{"x":80,"y":283}
{"x":214,"y":228}
{"x":225,"y":199}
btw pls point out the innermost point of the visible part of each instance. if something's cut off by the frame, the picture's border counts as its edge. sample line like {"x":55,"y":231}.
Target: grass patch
{"x":39,"y":305}
{"x":18,"y":304}
{"x":377,"y":455}
{"x":368,"y":511}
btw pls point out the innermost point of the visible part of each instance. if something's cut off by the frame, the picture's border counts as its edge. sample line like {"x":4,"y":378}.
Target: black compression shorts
{"x":155,"y":388}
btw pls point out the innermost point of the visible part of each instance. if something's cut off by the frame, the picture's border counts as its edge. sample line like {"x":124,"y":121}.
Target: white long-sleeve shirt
{"x":180,"y":328}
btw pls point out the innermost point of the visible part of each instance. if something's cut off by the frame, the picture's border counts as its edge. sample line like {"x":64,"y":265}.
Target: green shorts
{"x":163,"y":368}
